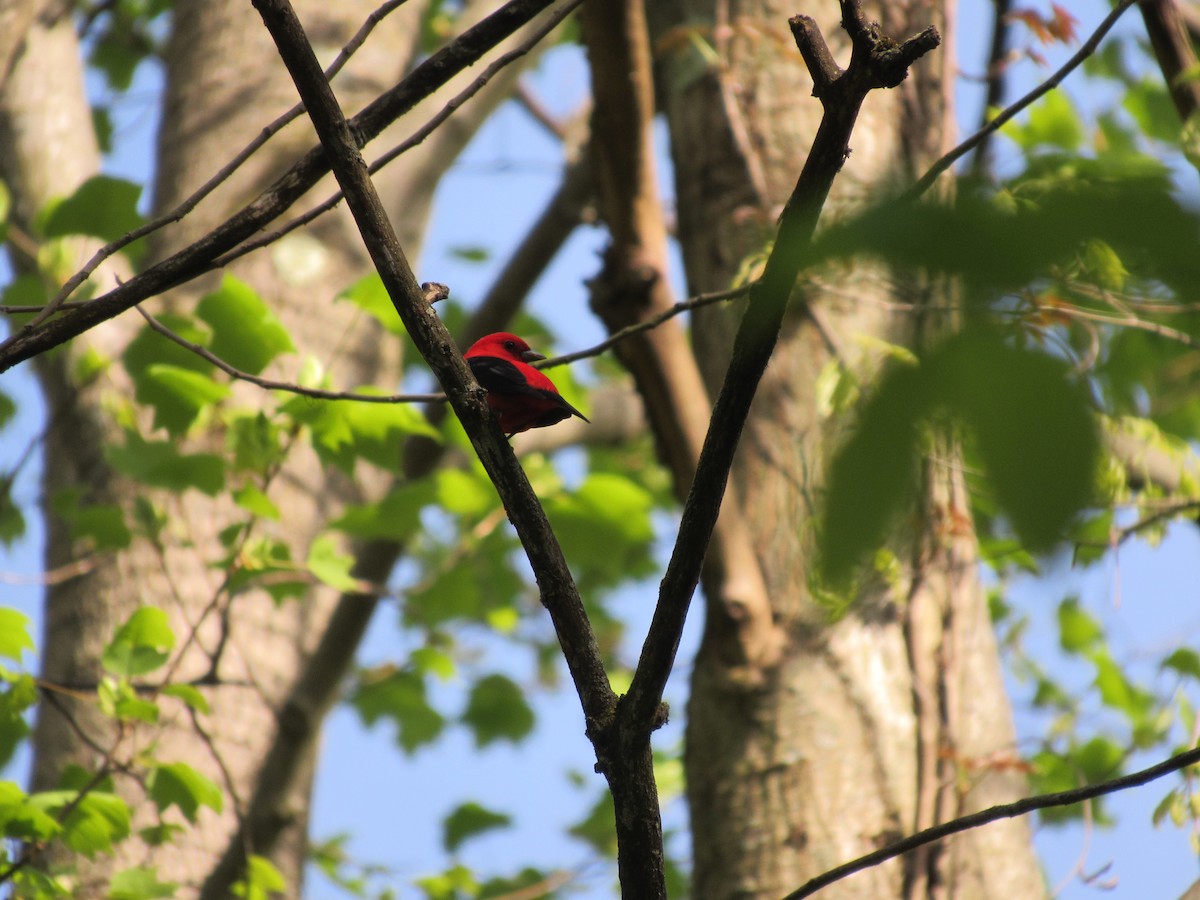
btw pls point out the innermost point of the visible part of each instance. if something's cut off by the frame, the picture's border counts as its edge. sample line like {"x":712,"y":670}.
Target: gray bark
{"x":893,"y":716}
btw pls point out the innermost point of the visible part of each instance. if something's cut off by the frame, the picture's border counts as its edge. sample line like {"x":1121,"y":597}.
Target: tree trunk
{"x":894,"y":716}
{"x":223,"y":84}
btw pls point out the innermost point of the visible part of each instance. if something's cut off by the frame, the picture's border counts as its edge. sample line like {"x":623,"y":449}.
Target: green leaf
{"x":19,"y":694}
{"x":1032,"y":428}
{"x":256,"y":442}
{"x":246,"y":333}
{"x":141,"y":645}
{"x":160,"y":464}
{"x":465,"y":493}
{"x":14,"y":634}
{"x":190,"y":695}
{"x":396,"y":517}
{"x":873,"y":475}
{"x":469,"y":585}
{"x":343,"y":430}
{"x":1117,"y":691}
{"x":178,"y":784}
{"x":140,"y":884}
{"x":8,"y":409}
{"x":497,"y":710}
{"x":599,"y":830}
{"x":157,"y":364}
{"x":1078,"y":631}
{"x":1183,"y":660}
{"x":604,"y":527}
{"x":103,"y":207}
{"x":102,"y":525}
{"x":1052,"y":121}
{"x":254,"y":501}
{"x":330,"y":565}
{"x":23,"y":819}
{"x":262,"y":880}
{"x":182,"y":395}
{"x":369,"y":295}
{"x":118,"y":700}
{"x":1150,"y":104}
{"x":98,"y":820}
{"x":470,"y":820}
{"x":12,"y":520}
{"x":398,"y":695}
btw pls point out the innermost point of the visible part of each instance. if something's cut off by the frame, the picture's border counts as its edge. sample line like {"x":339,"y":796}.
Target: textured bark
{"x":864,"y":734}
{"x":224,"y":82}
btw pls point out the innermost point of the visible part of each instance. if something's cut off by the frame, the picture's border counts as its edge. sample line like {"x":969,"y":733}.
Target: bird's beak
{"x":531,"y":356}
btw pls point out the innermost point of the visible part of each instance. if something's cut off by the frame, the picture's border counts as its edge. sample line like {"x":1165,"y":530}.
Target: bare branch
{"x":59,"y":301}
{"x":1005,"y":811}
{"x":297,"y":726}
{"x":1175,"y":53}
{"x":432,"y":295}
{"x":416,"y":138}
{"x":198,"y":257}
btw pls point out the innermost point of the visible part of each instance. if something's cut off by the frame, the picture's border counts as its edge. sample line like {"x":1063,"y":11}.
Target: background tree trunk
{"x":223,"y":84}
{"x":863,"y":733}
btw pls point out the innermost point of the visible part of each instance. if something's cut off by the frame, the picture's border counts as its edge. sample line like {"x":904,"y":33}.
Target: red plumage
{"x":520,"y":396}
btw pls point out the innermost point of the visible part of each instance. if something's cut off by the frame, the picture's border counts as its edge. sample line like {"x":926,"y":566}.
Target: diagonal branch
{"x":319,"y":685}
{"x":1175,"y":53}
{"x":276,"y":199}
{"x":875,"y":62}
{"x":559,"y":593}
{"x":1086,"y":49}
{"x":993,"y":814}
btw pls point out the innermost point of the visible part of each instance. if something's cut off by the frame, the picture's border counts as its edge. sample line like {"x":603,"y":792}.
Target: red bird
{"x":520,"y":396}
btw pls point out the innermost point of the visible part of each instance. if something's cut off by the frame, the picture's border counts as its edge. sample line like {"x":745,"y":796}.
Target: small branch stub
{"x":877,"y":60}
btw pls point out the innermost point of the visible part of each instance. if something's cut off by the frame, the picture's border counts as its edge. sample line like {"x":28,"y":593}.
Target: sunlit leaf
{"x":14,"y":633}
{"x":245,"y":332}
{"x":103,"y":207}
{"x":1078,"y":630}
{"x":139,"y":884}
{"x":330,"y":565}
{"x":178,"y":784}
{"x":141,"y":645}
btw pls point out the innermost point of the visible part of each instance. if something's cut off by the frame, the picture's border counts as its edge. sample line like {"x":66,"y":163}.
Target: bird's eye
{"x":510,"y":345}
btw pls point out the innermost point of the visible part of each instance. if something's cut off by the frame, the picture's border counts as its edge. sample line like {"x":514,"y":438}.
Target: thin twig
{"x":993,"y":814}
{"x":197,"y":257}
{"x":272,"y":384}
{"x":1085,"y":50}
{"x":414,"y":139}
{"x":59,"y":301}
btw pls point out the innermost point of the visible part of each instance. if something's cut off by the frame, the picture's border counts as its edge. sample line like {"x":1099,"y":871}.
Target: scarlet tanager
{"x":519,"y":395}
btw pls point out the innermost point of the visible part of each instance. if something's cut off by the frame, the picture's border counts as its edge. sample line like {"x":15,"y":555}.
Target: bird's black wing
{"x":500,"y":376}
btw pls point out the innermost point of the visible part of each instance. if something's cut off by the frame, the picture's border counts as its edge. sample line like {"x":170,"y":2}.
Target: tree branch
{"x":559,"y":593}
{"x":875,"y":62}
{"x":318,"y":686}
{"x":1006,"y":811}
{"x":286,"y":190}
{"x":1175,"y":53}
{"x":413,"y":140}
{"x":433,"y":293}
